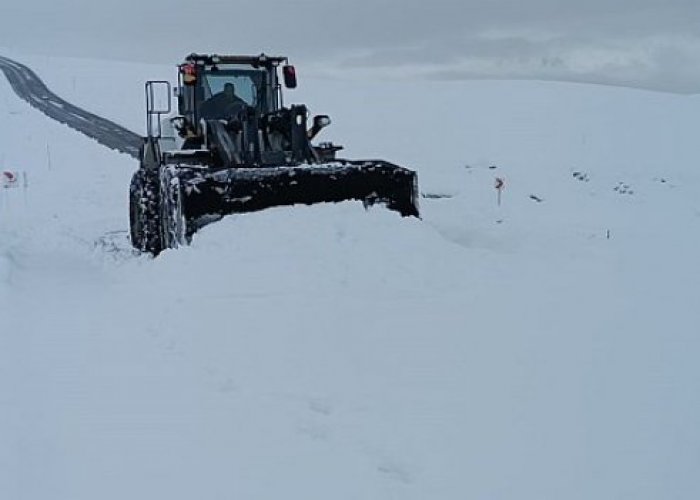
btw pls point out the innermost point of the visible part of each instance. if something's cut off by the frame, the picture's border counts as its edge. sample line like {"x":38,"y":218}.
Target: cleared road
{"x":29,"y":87}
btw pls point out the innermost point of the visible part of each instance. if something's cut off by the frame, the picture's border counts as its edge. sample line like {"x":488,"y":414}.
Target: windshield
{"x":248,"y":83}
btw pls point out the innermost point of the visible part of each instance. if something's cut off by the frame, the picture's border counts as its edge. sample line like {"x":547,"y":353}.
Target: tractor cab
{"x":232,"y":107}
{"x":220,"y":87}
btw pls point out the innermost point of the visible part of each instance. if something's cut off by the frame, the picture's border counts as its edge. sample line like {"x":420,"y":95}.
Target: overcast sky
{"x":645,"y":43}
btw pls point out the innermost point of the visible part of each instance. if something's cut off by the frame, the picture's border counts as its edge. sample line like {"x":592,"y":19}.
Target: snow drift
{"x":544,"y":348}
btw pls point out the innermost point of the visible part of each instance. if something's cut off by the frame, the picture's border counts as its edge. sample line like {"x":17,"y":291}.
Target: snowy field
{"x":543,"y":349}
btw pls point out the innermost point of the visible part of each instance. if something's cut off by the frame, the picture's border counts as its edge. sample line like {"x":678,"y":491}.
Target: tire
{"x":144,"y":212}
{"x":172,"y":217}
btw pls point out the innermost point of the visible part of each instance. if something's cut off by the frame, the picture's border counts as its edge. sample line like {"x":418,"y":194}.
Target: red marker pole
{"x":499,"y":185}
{"x":8,"y":179}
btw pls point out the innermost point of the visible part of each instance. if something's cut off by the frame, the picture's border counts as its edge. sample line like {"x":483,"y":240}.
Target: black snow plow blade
{"x":207,"y":195}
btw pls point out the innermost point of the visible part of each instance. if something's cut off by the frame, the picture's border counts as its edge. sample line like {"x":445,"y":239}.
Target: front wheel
{"x":172,"y":216}
{"x":144,"y":212}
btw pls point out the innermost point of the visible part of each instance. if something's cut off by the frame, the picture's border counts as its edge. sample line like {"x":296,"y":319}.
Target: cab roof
{"x":255,"y":61}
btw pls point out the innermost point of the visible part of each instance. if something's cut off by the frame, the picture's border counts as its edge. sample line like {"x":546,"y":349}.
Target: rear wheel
{"x":144,"y":212}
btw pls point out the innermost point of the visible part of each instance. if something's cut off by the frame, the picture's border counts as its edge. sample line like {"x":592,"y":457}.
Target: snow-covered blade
{"x":211,"y":194}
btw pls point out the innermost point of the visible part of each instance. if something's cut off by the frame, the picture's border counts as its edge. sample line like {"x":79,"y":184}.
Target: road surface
{"x":30,"y":88}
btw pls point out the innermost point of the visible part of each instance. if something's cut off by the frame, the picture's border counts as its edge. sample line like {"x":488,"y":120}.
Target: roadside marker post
{"x":9,"y":179}
{"x":499,"y":185}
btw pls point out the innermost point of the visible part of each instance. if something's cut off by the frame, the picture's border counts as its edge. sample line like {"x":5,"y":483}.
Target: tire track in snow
{"x":29,"y":87}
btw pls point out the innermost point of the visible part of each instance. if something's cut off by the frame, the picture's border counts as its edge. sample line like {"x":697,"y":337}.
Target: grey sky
{"x":645,"y":43}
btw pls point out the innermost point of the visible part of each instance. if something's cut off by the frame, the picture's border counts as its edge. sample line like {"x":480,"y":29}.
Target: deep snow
{"x":532,"y":350}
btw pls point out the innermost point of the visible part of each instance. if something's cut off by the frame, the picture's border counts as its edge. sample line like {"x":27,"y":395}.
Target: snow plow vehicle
{"x":233,"y":147}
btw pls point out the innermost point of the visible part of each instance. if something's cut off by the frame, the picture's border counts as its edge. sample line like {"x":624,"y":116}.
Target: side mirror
{"x":158,"y":97}
{"x":320,"y":122}
{"x":183,"y":127}
{"x":158,"y":103}
{"x":290,"y":76}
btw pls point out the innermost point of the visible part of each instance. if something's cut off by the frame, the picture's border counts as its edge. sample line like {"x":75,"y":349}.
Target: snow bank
{"x":544,"y":348}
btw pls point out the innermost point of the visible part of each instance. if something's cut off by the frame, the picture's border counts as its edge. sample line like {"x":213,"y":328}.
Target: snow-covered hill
{"x":546,"y":348}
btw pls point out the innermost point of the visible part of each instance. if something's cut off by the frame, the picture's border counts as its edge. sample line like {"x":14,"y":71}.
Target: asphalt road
{"x":29,"y":87}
